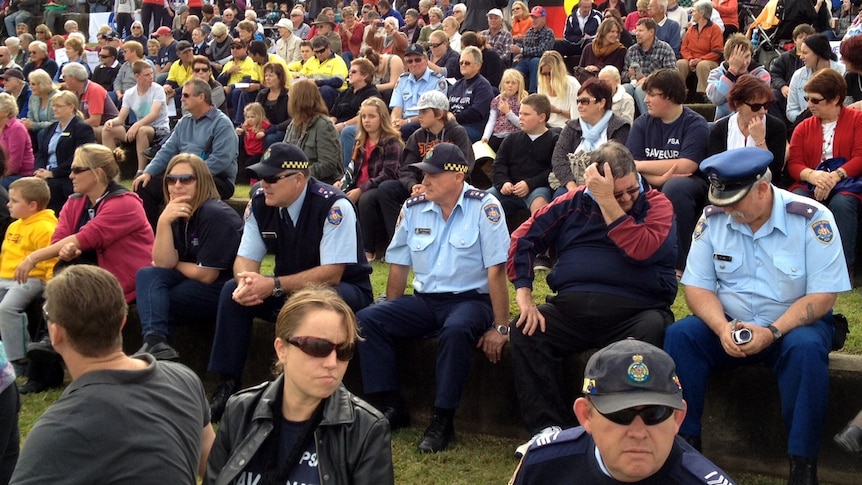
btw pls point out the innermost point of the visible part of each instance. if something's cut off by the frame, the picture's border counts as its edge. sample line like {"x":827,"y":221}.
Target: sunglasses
{"x":813,"y":100}
{"x":319,"y":51}
{"x":354,"y":71}
{"x":183,"y":178}
{"x":273,"y":179}
{"x":102,"y":56}
{"x":80,"y":170}
{"x":586,"y":101}
{"x":202,"y":69}
{"x":632,"y":192}
{"x":466,"y":63}
{"x":434,"y":46}
{"x":413,"y":60}
{"x":187,"y":95}
{"x":651,"y":415}
{"x":766,"y":105}
{"x":320,"y":348}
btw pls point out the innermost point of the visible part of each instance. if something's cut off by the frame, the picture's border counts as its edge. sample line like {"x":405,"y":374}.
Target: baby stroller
{"x":763,"y":26}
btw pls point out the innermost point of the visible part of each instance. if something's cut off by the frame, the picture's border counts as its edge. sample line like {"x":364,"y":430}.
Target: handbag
{"x":582,"y":74}
{"x":848,"y":184}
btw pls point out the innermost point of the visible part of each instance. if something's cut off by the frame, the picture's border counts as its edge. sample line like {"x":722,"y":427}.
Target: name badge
{"x":66,"y":133}
{"x":268,"y":235}
{"x":722,"y":257}
{"x":423,"y":231}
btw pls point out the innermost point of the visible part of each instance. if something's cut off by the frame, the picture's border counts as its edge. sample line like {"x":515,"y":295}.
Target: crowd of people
{"x":415,"y":133}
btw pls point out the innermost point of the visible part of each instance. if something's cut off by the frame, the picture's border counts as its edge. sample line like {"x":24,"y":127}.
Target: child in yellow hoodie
{"x":28,"y":199}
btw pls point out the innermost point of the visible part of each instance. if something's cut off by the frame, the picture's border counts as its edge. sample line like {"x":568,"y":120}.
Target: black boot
{"x":226,"y":387}
{"x":394,"y":409}
{"x":803,"y":471}
{"x":439,"y":433}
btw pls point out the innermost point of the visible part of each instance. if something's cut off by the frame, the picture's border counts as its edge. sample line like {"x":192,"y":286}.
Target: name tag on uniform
{"x":268,"y":235}
{"x":66,"y":133}
{"x":722,"y":257}
{"x":423,"y":231}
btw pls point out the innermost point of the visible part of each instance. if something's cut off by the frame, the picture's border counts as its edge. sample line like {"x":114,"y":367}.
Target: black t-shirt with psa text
{"x":304,"y":472}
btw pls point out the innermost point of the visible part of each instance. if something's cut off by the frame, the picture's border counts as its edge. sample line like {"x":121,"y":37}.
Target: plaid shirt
{"x":660,"y":56}
{"x":500,"y":42}
{"x":536,"y":43}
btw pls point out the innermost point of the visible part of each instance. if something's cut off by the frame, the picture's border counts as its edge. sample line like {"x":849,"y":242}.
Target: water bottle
{"x":754,"y":40}
{"x":347,"y":179}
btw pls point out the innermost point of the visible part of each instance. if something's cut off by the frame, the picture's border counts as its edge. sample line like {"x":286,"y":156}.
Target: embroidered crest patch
{"x":699,"y":229}
{"x":492,"y":213}
{"x":638,"y":371}
{"x":335,"y":216}
{"x":823,"y":231}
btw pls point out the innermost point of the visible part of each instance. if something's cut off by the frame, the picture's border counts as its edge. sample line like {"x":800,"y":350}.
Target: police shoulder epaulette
{"x":801,"y":209}
{"x":419,"y":199}
{"x":404,"y":74}
{"x":702,"y":470}
{"x":324,"y":191}
{"x":475,"y":194}
{"x":257,"y":193}
{"x":712,"y":210}
{"x":569,"y":435}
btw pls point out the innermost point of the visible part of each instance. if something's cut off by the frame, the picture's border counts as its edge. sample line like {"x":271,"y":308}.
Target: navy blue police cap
{"x":443,"y":157}
{"x":278,"y":158}
{"x":732,"y":173}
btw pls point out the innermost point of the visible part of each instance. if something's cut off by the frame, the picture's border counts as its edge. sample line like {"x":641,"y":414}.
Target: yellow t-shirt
{"x":22,"y":238}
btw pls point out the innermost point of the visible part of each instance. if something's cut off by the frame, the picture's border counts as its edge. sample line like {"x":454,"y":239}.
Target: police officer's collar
{"x":295,"y":208}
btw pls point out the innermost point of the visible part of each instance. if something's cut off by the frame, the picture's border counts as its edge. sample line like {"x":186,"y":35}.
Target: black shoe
{"x":225,"y":388}
{"x":438,"y":434}
{"x":42,"y":350}
{"x":694,"y":441}
{"x":161,"y":351}
{"x":803,"y":471}
{"x":397,"y":415}
{"x":35,"y":387}
{"x":850,"y":439}
{"x":543,"y":263}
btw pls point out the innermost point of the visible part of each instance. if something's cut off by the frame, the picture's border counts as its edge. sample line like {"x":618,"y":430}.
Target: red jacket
{"x":806,"y":145}
{"x":706,"y":43}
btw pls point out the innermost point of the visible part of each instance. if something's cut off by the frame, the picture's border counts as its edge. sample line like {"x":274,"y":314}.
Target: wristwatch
{"x":276,"y":290}
{"x":775,"y":332}
{"x":502,"y":329}
{"x":841,"y":174}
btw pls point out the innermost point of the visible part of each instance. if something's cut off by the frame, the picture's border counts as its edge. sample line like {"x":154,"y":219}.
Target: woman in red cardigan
{"x":832,"y":132}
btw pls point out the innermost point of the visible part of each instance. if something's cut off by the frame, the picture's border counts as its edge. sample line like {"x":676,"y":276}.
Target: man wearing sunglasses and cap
{"x":762,"y":275}
{"x":630,"y":413}
{"x":455,"y":239}
{"x":312,"y":230}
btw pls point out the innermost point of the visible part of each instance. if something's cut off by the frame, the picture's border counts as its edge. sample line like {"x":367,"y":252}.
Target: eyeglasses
{"x":760,"y":106}
{"x":296,"y":15}
{"x":413,"y":60}
{"x":586,"y":101}
{"x":137,"y":27}
{"x":202,"y":69}
{"x":45,"y":312}
{"x":353,"y":71}
{"x":651,"y":415}
{"x":188,"y":95}
{"x":813,"y":100}
{"x":320,"y":51}
{"x":183,"y":178}
{"x":434,"y":46}
{"x":273,"y":179}
{"x":320,"y":348}
{"x":632,"y":192}
{"x":80,"y":170}
{"x":103,"y":56}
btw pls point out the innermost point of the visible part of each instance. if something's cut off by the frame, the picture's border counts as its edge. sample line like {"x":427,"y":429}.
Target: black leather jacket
{"x":353,"y":440}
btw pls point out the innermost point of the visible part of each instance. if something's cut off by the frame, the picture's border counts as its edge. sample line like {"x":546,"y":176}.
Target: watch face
{"x":503,"y":329}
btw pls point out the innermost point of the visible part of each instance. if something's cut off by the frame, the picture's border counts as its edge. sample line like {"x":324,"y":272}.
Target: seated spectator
{"x":31,"y":230}
{"x":247,"y":31}
{"x":560,"y":88}
{"x":104,"y":225}
{"x":75,"y":53}
{"x":701,"y":47}
{"x":259,"y":53}
{"x":15,"y":86}
{"x":6,"y":62}
{"x":492,"y":64}
{"x":851,"y":56}
{"x":470,"y":97}
{"x":374,"y":159}
{"x":450,"y":27}
{"x":300,"y":28}
{"x":411,"y":28}
{"x":326,"y":69}
{"x":287,"y":45}
{"x":313,"y":132}
{"x":605,"y":50}
{"x":666,"y":30}
{"x":738,"y":61}
{"x":330,"y":421}
{"x":418,"y":79}
{"x":384,"y":7}
{"x":523,"y":161}
{"x":538,"y":40}
{"x":167,"y":53}
{"x":196,"y":239}
{"x":443,"y":60}
{"x":153,"y":47}
{"x":595,"y":125}
{"x":390,"y":42}
{"x":623,"y":103}
{"x":10,"y":407}
{"x":345,"y":111}
{"x":40,"y":113}
{"x":781,"y":70}
{"x":125,"y":79}
{"x":305,"y":53}
{"x":200,"y":43}
{"x":522,"y":21}
{"x":633,"y":18}
{"x":273,"y":97}
{"x":108,"y":68}
{"x":816,"y":55}
{"x":56,"y":43}
{"x":504,"y":118}
{"x":15,"y":141}
{"x":240,"y":70}
{"x":96,"y":106}
{"x":57,"y":147}
{"x":351,"y":33}
{"x":180,"y":72}
{"x":729,"y":12}
{"x":435,"y":23}
{"x":86,"y":313}
{"x":137,"y":34}
{"x":202,"y":69}
{"x":387,"y":69}
{"x":826,"y":149}
{"x":220,"y":47}
{"x":750,"y":125}
{"x":17,"y":52}
{"x":496,"y":36}
{"x":19,"y":13}
{"x":38,"y":54}
{"x":582,"y":25}
{"x":648,"y":55}
{"x":148,"y":103}
{"x":668,"y":143}
{"x":326,"y":29}
{"x":203,"y":130}
{"x":317,"y":241}
{"x":680,"y":15}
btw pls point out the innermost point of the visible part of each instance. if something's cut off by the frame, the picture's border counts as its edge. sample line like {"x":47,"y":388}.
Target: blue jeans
{"x":167,"y":298}
{"x":512,"y":203}
{"x":348,"y":139}
{"x":15,"y":18}
{"x":530,"y":69}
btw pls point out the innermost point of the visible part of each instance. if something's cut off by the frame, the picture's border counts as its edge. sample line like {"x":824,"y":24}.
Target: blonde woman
{"x":15,"y":142}
{"x":40,"y":113}
{"x":559,"y":87}
{"x":75,"y":52}
{"x":505,"y":109}
{"x":521,"y":21}
{"x":435,"y":23}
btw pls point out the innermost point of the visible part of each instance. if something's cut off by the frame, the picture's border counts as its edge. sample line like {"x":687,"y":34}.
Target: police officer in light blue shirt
{"x":763,"y":273}
{"x":455,"y":239}
{"x":417,"y":80}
